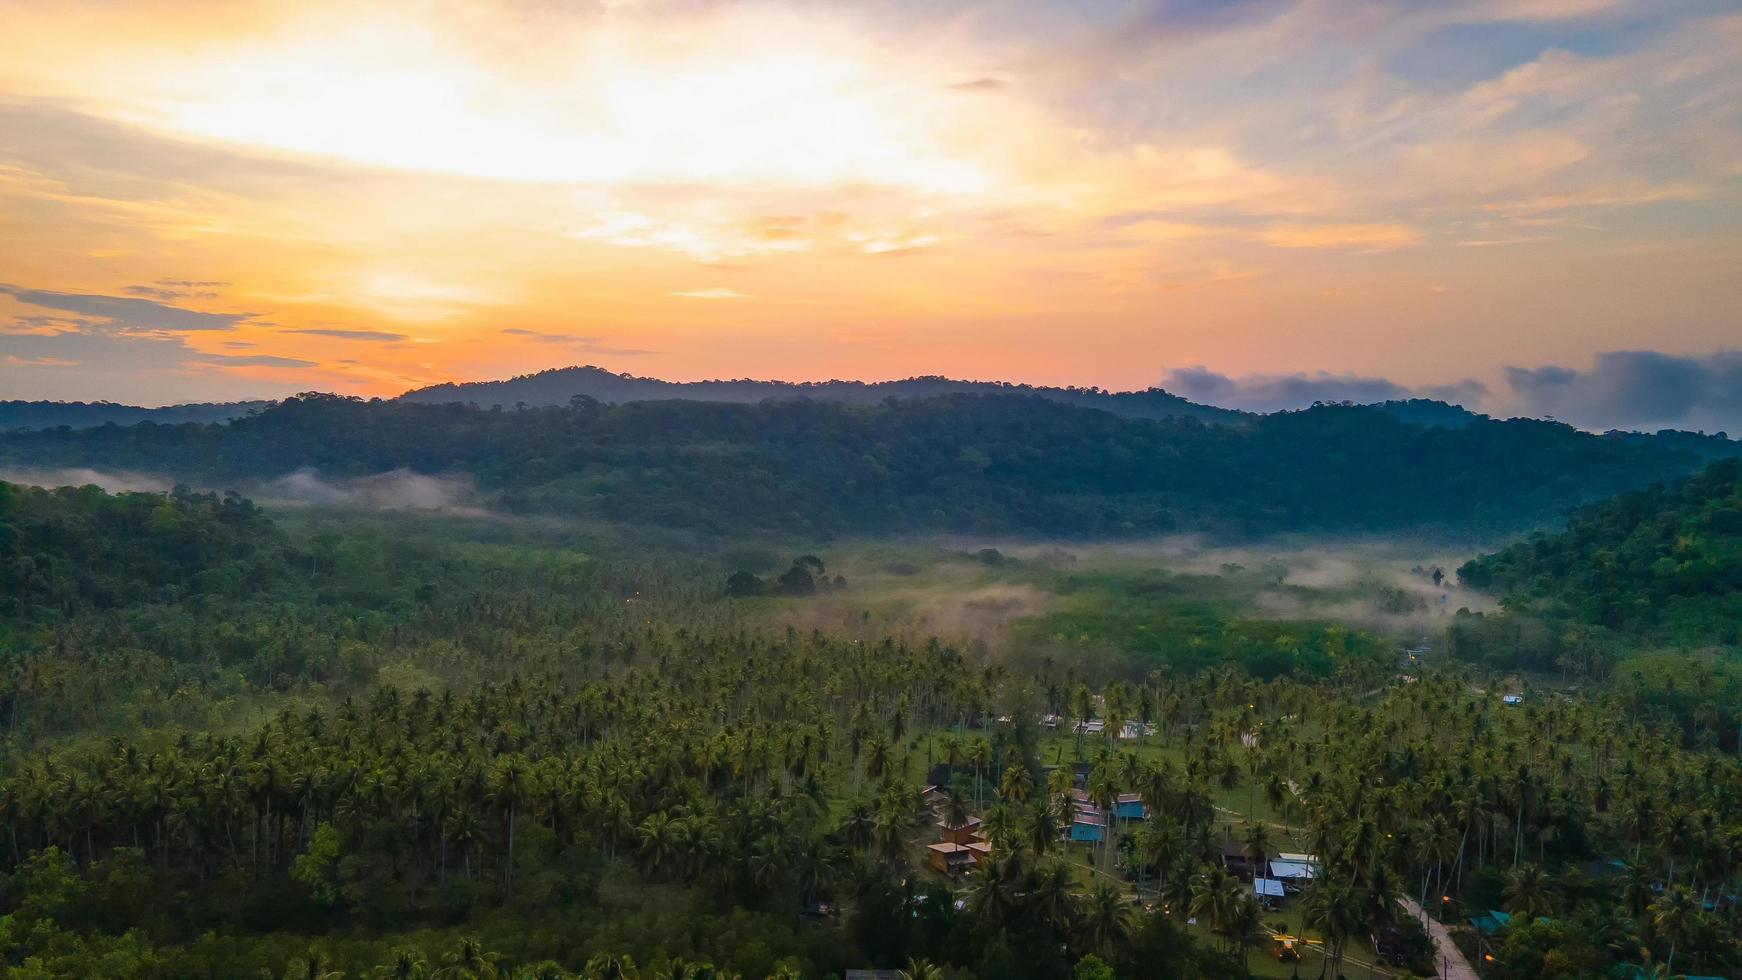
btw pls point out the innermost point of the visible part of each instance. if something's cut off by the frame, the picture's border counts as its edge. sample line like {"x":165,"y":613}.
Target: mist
{"x":399,"y":489}
{"x":114,"y":481}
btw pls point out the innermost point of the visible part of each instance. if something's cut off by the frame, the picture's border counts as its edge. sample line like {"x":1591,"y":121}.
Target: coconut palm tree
{"x":1106,"y":919}
{"x":1673,"y":916}
{"x":1528,"y":892}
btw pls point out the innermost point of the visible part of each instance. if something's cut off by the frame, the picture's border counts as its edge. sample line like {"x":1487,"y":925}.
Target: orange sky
{"x":369,"y":197}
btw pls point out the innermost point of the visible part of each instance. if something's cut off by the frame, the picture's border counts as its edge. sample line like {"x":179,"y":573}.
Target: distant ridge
{"x":84,"y":415}
{"x":558,"y":386}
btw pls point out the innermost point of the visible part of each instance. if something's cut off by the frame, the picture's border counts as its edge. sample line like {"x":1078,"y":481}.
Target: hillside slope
{"x":955,"y":463}
{"x":1665,"y":561}
{"x":80,"y":548}
{"x":559,"y":385}
{"x":78,"y":415}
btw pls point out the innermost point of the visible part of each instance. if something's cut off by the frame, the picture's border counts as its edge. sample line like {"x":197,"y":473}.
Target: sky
{"x":1527,"y":206}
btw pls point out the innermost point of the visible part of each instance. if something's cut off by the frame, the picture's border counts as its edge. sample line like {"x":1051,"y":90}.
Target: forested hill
{"x":77,"y":548}
{"x":958,"y":463}
{"x":78,"y":415}
{"x":1661,"y":561}
{"x":559,"y":385}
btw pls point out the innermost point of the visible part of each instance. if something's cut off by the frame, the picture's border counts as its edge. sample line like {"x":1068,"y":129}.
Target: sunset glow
{"x":203,"y":202}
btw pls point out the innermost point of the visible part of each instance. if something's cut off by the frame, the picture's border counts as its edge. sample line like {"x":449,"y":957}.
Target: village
{"x":1101,"y":834}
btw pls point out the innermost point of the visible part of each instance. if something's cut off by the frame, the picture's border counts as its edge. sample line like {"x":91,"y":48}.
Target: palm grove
{"x":234,"y":749}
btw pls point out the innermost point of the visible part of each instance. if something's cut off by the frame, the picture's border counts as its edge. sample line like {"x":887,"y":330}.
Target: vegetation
{"x":559,"y":386}
{"x":954,"y":463}
{"x":333,"y":743}
{"x":1665,"y":564}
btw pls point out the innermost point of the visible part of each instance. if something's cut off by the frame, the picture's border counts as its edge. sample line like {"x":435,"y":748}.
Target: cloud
{"x":256,"y":360}
{"x":1284,"y":392}
{"x":1636,"y":389}
{"x":169,"y":289}
{"x":352,"y":334}
{"x":160,"y":293}
{"x":1631,"y":389}
{"x":1366,"y":237}
{"x":985,"y":83}
{"x":12,"y":361}
{"x":585,"y":344}
{"x":717,"y":292}
{"x":123,"y":313}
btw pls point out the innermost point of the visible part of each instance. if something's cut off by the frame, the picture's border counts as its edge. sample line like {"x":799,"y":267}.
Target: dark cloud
{"x":1282,"y":392}
{"x":162,"y":293}
{"x":1636,"y":389}
{"x":352,"y":334}
{"x":125,"y":313}
{"x":121,"y":353}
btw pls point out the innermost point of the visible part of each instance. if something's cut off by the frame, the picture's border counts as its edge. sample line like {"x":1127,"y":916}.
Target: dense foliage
{"x":78,"y":415}
{"x":418,"y":747}
{"x":959,"y":463}
{"x":1662,"y":562}
{"x":74,"y":548}
{"x":559,"y":386}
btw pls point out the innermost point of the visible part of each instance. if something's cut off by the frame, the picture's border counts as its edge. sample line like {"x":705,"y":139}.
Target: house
{"x":1294,"y":875}
{"x":1491,"y":923}
{"x":1088,"y":830}
{"x":1512,"y":699}
{"x":961,"y":833}
{"x":950,"y":858}
{"x":1235,"y":860}
{"x":1129,"y":806}
{"x":1089,"y":824}
{"x":1269,"y":892}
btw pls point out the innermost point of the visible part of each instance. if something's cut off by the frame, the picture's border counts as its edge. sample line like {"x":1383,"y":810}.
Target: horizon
{"x":1352,"y":394}
{"x":1526,"y":209}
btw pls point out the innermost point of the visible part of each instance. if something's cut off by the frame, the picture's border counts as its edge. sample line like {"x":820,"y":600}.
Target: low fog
{"x":396,"y":490}
{"x":944,"y":588}
{"x":112,"y":481}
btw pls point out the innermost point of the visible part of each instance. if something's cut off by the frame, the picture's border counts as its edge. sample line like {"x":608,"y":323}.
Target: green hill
{"x":1664,"y":561}
{"x":964,"y":463}
{"x":77,"y":548}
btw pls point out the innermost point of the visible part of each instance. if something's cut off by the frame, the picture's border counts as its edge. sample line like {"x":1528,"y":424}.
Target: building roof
{"x":967,"y":824}
{"x":1267,"y":887}
{"x":1291,"y":869}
